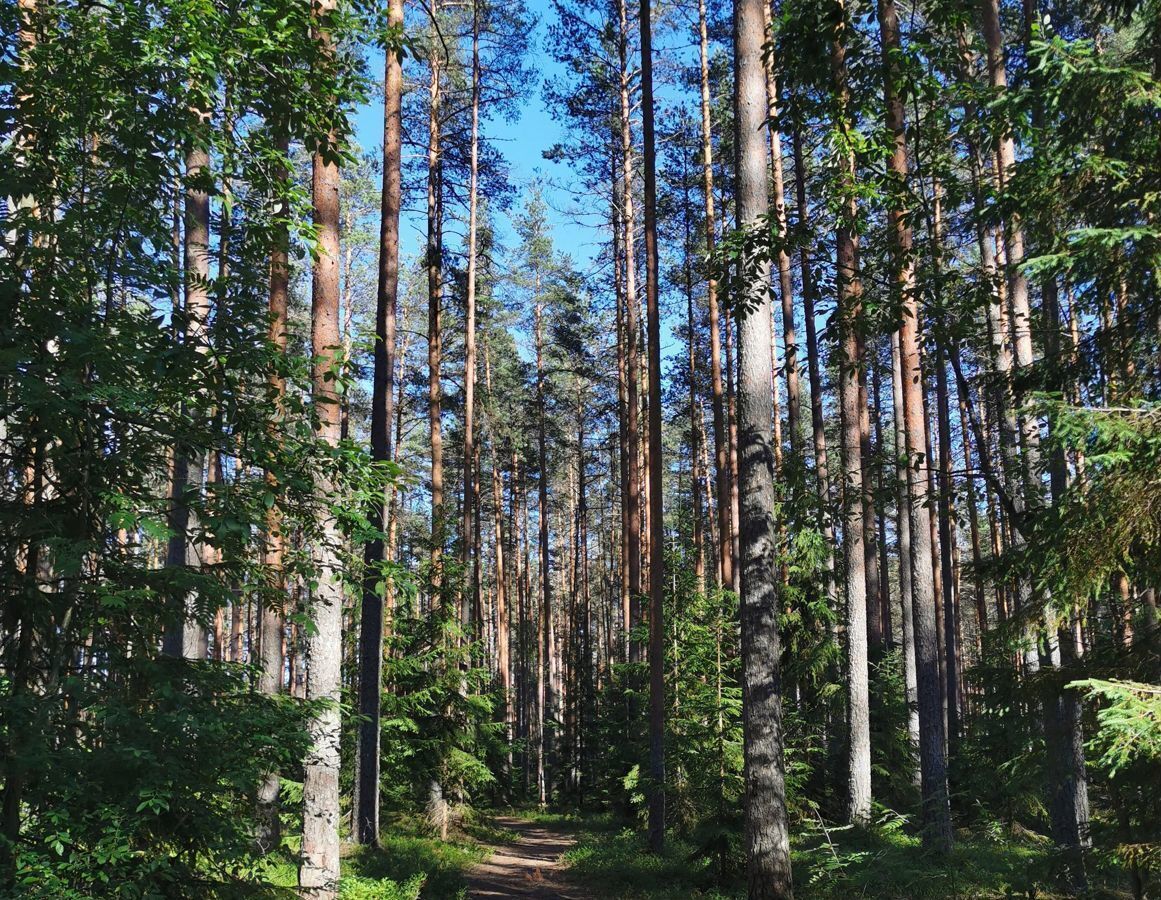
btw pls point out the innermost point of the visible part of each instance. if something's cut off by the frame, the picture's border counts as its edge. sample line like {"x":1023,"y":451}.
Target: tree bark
{"x":903,"y":528}
{"x":785,"y":277}
{"x":818,"y":432}
{"x":382,"y":449}
{"x":721,"y":440}
{"x":632,"y":333}
{"x":466,"y":605}
{"x":434,"y":313}
{"x":937,"y":834}
{"x":273,"y":611}
{"x":851,"y":408}
{"x":656,"y":463}
{"x":318,"y":872}
{"x":187,"y":637}
{"x":548,"y":705}
{"x":766,"y":833}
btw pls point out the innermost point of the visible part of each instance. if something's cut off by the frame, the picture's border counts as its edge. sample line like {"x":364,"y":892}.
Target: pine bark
{"x":766,"y":831}
{"x":790,"y":364}
{"x":187,"y":638}
{"x":903,"y":529}
{"x":434,"y":315}
{"x":273,"y":610}
{"x":814,"y":371}
{"x":382,"y":446}
{"x":851,"y":408}
{"x":937,"y":834}
{"x":656,"y":462}
{"x":466,"y":604}
{"x":721,"y":439}
{"x":318,"y":872}
{"x":632,"y":333}
{"x":547,"y":669}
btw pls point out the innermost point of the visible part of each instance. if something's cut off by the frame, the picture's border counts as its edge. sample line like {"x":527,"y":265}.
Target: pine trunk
{"x":318,"y":872}
{"x":766,"y":832}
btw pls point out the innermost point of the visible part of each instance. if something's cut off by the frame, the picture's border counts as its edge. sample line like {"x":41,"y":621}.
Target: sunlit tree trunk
{"x":851,"y":409}
{"x":937,"y":832}
{"x":547,"y":671}
{"x":382,"y":446}
{"x":903,"y":528}
{"x":466,"y":610}
{"x":785,"y":277}
{"x":187,"y":637}
{"x":632,"y":332}
{"x":766,"y":831}
{"x":721,"y":440}
{"x":434,"y":314}
{"x":318,"y":872}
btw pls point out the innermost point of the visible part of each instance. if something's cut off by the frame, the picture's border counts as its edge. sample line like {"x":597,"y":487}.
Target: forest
{"x":580,"y":449}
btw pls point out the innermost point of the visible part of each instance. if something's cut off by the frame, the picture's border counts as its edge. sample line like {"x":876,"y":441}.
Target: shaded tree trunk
{"x":656,"y":462}
{"x":382,"y":446}
{"x":814,"y":367}
{"x":851,"y":408}
{"x":766,"y":832}
{"x":937,"y":834}
{"x":273,"y":610}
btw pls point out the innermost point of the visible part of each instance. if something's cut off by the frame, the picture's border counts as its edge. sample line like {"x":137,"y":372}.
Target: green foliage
{"x":131,"y":775}
{"x":149,"y":790}
{"x":1129,"y":720}
{"x":409,"y":859}
{"x":356,"y":887}
{"x":438,"y":719}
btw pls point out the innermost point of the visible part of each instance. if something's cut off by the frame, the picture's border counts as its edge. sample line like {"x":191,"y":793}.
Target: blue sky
{"x":523,"y":142}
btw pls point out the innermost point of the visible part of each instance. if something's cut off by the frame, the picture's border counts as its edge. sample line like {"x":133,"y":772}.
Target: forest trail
{"x":528,"y":867}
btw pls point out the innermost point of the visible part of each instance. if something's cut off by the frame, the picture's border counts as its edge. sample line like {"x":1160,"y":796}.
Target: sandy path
{"x":528,"y":867}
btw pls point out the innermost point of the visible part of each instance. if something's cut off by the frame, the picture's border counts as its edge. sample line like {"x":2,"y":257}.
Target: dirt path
{"x":528,"y":867}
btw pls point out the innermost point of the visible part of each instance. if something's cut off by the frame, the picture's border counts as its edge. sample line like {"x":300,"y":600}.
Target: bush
{"x":147,"y":786}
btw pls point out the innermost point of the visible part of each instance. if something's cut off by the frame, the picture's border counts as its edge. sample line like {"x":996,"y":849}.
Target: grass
{"x":409,"y":864}
{"x":885,"y":862}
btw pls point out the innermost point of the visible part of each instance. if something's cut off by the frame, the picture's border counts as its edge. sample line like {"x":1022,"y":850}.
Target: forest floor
{"x":528,"y":866}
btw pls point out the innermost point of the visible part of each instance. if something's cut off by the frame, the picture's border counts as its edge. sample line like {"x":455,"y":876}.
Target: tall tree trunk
{"x":548,"y":704}
{"x":973,"y":522}
{"x":318,"y":872}
{"x":903,"y":529}
{"x":785,"y":277}
{"x":814,"y":368}
{"x":503,"y":658}
{"x":632,"y":334}
{"x":947,"y":529}
{"x":874,"y":600}
{"x":851,"y":407}
{"x":382,"y":446}
{"x":273,"y":610}
{"x":881,"y":517}
{"x":937,"y":834}
{"x":466,"y":611}
{"x":619,"y":269}
{"x":947,"y":539}
{"x":187,"y":637}
{"x":766,"y":833}
{"x":695,"y":471}
{"x":434,"y":313}
{"x":721,"y":440}
{"x":656,"y":463}
{"x":732,"y":432}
